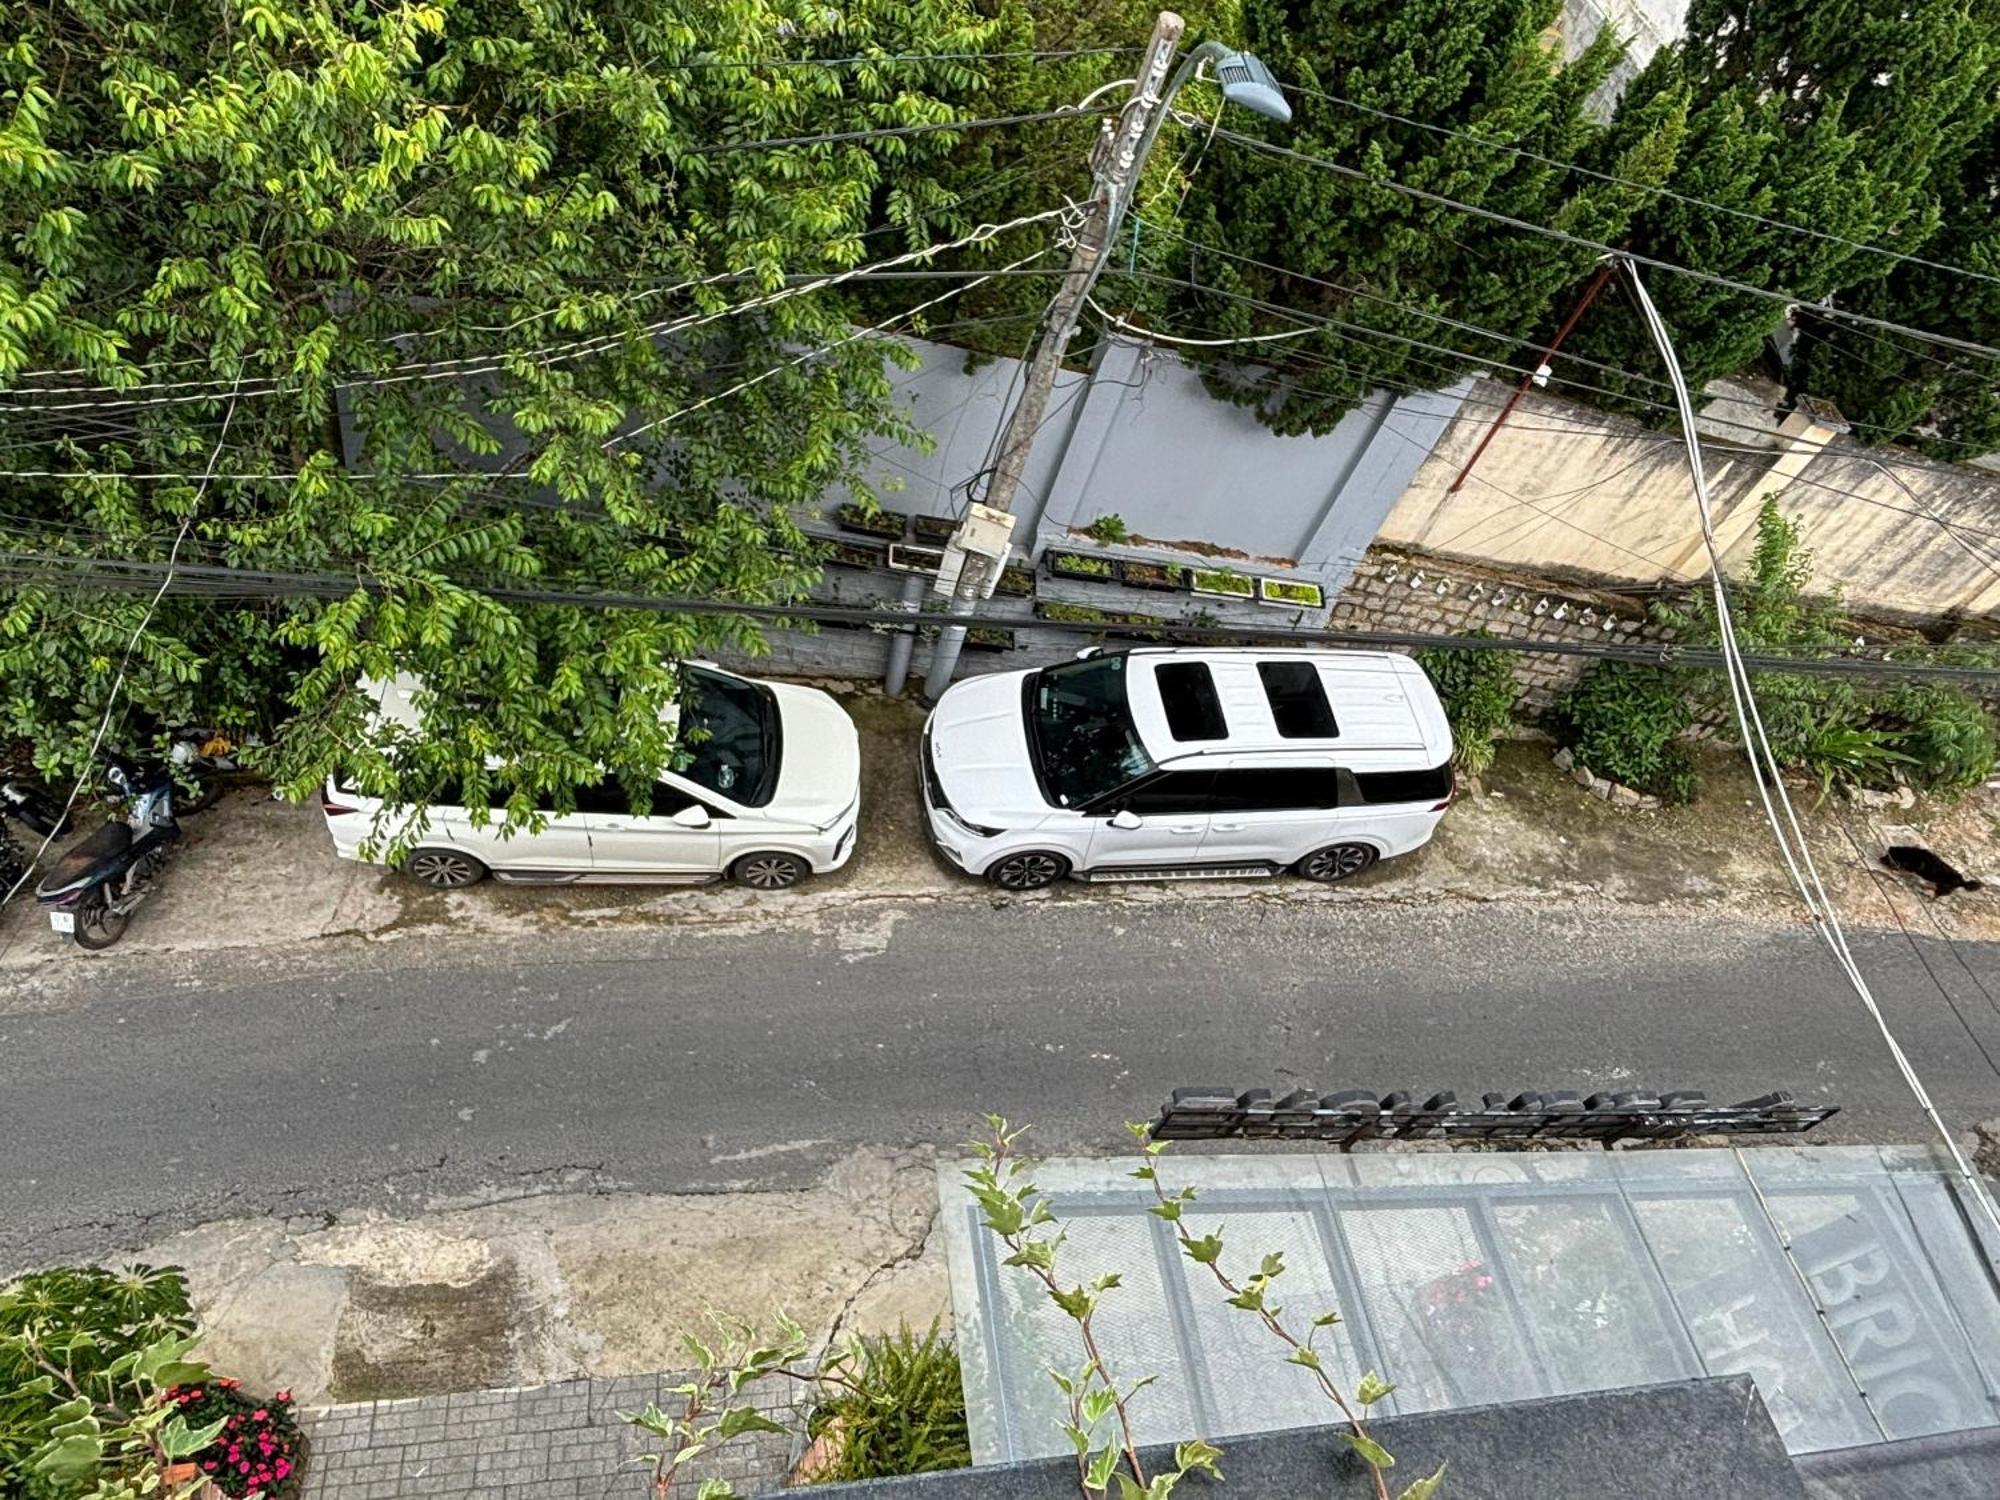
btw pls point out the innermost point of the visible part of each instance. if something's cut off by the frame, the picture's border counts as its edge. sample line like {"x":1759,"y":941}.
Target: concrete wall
{"x":1192,"y":477}
{"x":1571,"y":492}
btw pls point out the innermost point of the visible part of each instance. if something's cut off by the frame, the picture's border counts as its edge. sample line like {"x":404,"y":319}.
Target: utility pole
{"x":1538,"y":376}
{"x":1118,"y":159}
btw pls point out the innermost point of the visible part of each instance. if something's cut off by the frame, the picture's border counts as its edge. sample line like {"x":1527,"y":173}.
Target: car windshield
{"x":1084,"y":740}
{"x":729,"y":729}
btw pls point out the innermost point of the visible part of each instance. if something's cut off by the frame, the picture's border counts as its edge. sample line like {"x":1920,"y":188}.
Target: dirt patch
{"x":427,"y":1337}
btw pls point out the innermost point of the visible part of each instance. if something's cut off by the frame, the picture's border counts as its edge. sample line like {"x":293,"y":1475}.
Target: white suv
{"x":1167,"y":763}
{"x":771,"y":794}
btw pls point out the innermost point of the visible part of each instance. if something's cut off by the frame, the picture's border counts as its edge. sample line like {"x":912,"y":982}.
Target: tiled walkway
{"x":549,"y":1442}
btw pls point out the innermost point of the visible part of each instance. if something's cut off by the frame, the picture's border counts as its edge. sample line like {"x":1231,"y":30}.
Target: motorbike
{"x":32,"y":807}
{"x":93,"y":886}
{"x":206,"y":758}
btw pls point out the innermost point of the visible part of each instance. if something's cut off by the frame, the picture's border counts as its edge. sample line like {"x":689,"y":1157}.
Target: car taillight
{"x":1449,"y":797}
{"x":332,"y":808}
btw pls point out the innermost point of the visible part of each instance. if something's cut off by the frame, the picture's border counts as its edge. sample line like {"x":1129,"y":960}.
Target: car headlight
{"x":971,"y":827}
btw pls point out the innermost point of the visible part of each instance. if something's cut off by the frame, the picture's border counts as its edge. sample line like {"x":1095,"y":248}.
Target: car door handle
{"x":1184,"y":828}
{"x":1228,"y":827}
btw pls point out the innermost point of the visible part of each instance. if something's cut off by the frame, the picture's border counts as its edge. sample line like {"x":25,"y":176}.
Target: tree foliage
{"x":1483,"y":68}
{"x":1844,"y":118}
{"x":347,"y":247}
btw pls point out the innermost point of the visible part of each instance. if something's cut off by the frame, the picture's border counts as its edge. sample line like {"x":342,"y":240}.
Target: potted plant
{"x":1290,"y":593}
{"x":259,"y":1450}
{"x":872,"y":521}
{"x":1140,"y":627}
{"x":1081,"y":565}
{"x":934,"y":531}
{"x":908,"y":559}
{"x":1222,"y":583}
{"x":989,"y":638}
{"x":1165,"y":577}
{"x":1016,"y":581}
{"x":1059,"y":612}
{"x":857,"y":554}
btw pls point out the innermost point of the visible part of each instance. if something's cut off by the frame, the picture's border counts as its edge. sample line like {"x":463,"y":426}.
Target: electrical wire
{"x":1766,"y":773}
{"x":124,"y":665}
{"x":1528,"y":226}
{"x":1644,"y":187}
{"x":114,"y":574}
{"x":886,"y":132}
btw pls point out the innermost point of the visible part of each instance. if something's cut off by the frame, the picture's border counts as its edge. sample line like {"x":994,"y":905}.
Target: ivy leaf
{"x":741,"y":1419}
{"x":1370,"y":1450}
{"x":1372,"y":1389}
{"x":1195,"y":1454}
{"x":1098,"y":1475}
{"x":1427,"y":1487}
{"x":1205,"y":1251}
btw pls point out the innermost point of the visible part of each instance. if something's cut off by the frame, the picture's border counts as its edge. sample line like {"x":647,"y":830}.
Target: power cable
{"x":1528,"y":226}
{"x":1644,"y":187}
{"x":124,"y":665}
{"x":1035,"y":55}
{"x":1767,"y":774}
{"x":112,"y":574}
{"x":886,"y":132}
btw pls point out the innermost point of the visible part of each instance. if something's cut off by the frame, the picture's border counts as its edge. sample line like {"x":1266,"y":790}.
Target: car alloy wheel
{"x":1337,"y":861}
{"x":769,"y":872}
{"x":445,"y":869}
{"x":1029,"y":871}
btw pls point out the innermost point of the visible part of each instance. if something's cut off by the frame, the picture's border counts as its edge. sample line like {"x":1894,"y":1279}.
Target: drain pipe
{"x":904,"y":641}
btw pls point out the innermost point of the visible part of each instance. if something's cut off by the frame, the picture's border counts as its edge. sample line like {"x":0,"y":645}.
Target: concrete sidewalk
{"x":255,"y":873}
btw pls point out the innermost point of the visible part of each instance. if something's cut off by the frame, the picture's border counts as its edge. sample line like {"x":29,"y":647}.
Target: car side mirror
{"x":1126,"y":818}
{"x":694,"y":815}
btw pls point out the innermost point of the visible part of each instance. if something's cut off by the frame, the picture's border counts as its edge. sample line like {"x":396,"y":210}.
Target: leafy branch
{"x":708,"y":1413}
{"x":1252,"y":1295}
{"x":1014,"y":1209}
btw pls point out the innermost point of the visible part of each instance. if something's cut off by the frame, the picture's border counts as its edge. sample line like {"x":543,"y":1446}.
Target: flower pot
{"x":1057,"y":612}
{"x":934,"y":531}
{"x":1083,"y":565}
{"x":1287,"y":593}
{"x":907,"y":559}
{"x":857,"y":555}
{"x":1219,"y":583}
{"x":1016,"y":581}
{"x":989,"y":638}
{"x":1166,"y":578}
{"x":883,"y":523}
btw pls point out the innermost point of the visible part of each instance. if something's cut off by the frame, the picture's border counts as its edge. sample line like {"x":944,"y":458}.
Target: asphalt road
{"x":173,"y":1092}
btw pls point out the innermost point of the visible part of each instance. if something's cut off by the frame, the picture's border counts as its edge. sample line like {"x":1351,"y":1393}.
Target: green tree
{"x":1486,"y":69}
{"x":1901,"y":389}
{"x":345,"y":247}
{"x":1833,"y":117}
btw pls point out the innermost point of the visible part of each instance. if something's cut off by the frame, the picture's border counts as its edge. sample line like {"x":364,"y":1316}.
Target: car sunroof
{"x":1187,"y":693}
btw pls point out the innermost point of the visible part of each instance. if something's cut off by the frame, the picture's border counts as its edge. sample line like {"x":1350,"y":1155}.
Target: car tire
{"x":769,"y":872}
{"x":1337,"y":862}
{"x":1028,"y":870}
{"x":443,"y":869}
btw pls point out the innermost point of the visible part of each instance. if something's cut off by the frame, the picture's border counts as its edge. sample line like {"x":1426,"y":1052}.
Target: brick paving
{"x":549,"y":1442}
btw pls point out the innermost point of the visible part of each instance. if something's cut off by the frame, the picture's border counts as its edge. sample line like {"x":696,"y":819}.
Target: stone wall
{"x":1394,"y":589}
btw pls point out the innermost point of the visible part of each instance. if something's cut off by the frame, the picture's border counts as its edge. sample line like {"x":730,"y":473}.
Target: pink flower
{"x":259,"y":1414}
{"x":284,"y":1396}
{"x":284,"y":1467}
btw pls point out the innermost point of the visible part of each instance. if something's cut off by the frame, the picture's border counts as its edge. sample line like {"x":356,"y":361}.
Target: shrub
{"x":259,"y":1449}
{"x":1478,"y":691}
{"x":1626,"y":721}
{"x":1108,"y":529}
{"x":902,"y":1412}
{"x":1945,"y":734}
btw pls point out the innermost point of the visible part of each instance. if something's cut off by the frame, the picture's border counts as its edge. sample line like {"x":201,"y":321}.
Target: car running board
{"x":1182,"y":872}
{"x":600,"y":877}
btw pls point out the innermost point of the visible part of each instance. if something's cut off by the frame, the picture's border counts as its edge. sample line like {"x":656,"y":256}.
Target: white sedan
{"x":771,"y":794}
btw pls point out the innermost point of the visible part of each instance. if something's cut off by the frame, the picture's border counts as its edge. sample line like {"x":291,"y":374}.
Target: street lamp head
{"x":1246,"y":81}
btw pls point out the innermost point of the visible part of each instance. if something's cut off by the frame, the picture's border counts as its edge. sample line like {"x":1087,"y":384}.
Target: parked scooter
{"x":32,"y":807}
{"x":91,"y":889}
{"x":207,"y":758}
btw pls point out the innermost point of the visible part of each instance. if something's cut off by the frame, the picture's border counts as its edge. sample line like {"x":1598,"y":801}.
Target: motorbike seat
{"x":103,"y":853}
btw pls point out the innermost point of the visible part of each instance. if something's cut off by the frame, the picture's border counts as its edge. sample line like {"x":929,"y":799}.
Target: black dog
{"x":1942,"y":878}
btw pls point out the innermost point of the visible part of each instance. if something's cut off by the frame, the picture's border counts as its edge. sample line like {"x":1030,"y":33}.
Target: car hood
{"x":819,"y":757}
{"x":979,"y":745}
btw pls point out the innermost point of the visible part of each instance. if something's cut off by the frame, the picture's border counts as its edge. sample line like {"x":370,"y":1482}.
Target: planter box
{"x":1167,"y":578}
{"x":1081,"y":615}
{"x":1220,"y":583}
{"x":907,"y":559}
{"x":883,"y":523}
{"x":857,"y":555}
{"x":1290,"y":594}
{"x":1083,"y":565}
{"x":989,"y":638}
{"x":933,"y":531}
{"x":1016,"y":581}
